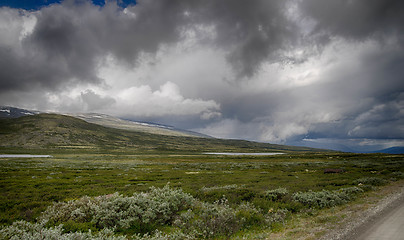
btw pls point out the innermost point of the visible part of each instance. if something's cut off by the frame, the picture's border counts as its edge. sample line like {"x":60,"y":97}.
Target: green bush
{"x":325,"y":198}
{"x":397,"y":175}
{"x":142,"y":210}
{"x":72,"y":226}
{"x":351,"y":191}
{"x":241,"y":195}
{"x":373,"y":181}
{"x":35,"y":231}
{"x":249,"y":216}
{"x":276,"y":217}
{"x":320,"y":199}
{"x":209,"y":220}
{"x":158,"y":235}
{"x":143,"y":213}
{"x":276,"y":194}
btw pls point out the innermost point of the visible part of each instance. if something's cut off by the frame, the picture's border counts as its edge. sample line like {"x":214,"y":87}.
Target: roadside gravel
{"x":393,"y":199}
{"x":345,"y":222}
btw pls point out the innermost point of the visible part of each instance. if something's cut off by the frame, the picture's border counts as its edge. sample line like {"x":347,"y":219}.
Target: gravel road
{"x":388,"y":226}
{"x":382,"y":222}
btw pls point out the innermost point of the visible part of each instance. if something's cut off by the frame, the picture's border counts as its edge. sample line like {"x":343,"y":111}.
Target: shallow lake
{"x":241,"y":154}
{"x":23,"y":156}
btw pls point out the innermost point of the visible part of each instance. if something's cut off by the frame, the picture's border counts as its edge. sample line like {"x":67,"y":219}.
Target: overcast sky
{"x":305,"y":72}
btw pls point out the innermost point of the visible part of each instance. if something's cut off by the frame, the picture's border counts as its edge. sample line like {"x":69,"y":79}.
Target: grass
{"x":69,"y":176}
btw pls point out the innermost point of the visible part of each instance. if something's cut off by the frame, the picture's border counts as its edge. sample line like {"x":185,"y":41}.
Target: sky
{"x":319,"y":73}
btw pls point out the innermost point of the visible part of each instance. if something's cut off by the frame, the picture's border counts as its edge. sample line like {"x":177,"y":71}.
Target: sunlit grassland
{"x":28,"y":186}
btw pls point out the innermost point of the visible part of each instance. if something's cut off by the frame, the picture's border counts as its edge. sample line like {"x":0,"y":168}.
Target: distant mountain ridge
{"x":114,"y":122}
{"x":391,"y":150}
{"x":108,"y":121}
{"x":7,"y":112}
{"x":12,"y":112}
{"x":55,"y":131}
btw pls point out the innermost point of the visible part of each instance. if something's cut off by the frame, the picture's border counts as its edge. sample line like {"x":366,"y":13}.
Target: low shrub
{"x":35,"y":231}
{"x":373,"y":181}
{"x":351,"y":191}
{"x":325,"y":198}
{"x":320,"y":199}
{"x":249,"y":216}
{"x":72,"y":226}
{"x":210,"y":219}
{"x":225,"y":187}
{"x":276,"y":216}
{"x":397,"y":175}
{"x":276,"y":194}
{"x":242,"y":195}
{"x":156,"y":207}
{"x":158,"y":235}
{"x":141,"y":214}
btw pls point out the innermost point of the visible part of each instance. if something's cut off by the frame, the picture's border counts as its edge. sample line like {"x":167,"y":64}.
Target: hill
{"x":113,"y":122}
{"x":108,"y":121}
{"x":53,"y":131}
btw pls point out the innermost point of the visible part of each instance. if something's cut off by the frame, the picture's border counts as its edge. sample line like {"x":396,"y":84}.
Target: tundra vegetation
{"x":178,"y":196}
{"x":113,"y":184}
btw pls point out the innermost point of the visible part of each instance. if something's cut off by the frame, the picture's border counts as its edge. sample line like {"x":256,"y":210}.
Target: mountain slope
{"x":108,"y":121}
{"x":52,"y":131}
{"x":113,"y":122}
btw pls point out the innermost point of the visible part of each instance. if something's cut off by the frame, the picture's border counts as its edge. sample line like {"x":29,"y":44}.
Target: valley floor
{"x":288,"y":196}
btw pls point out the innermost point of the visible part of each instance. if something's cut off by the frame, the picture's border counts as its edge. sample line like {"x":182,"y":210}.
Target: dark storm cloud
{"x":70,"y":38}
{"x":28,"y":72}
{"x":356,"y":19}
{"x":252,"y":31}
{"x":370,"y":95}
{"x":373,"y":85}
{"x":248,"y":107}
{"x":383,"y":121}
{"x":379,"y":80}
{"x":63,"y":35}
{"x":59,"y":52}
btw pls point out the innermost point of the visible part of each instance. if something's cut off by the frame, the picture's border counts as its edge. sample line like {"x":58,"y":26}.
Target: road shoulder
{"x":342,"y":222}
{"x":374,"y":208}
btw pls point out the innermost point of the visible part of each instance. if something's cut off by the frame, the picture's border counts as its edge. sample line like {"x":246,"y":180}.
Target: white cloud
{"x":230,"y":128}
{"x":143,"y":101}
{"x":15,"y":25}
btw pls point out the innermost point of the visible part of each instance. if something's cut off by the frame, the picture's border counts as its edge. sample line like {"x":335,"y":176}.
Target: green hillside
{"x":53,"y":131}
